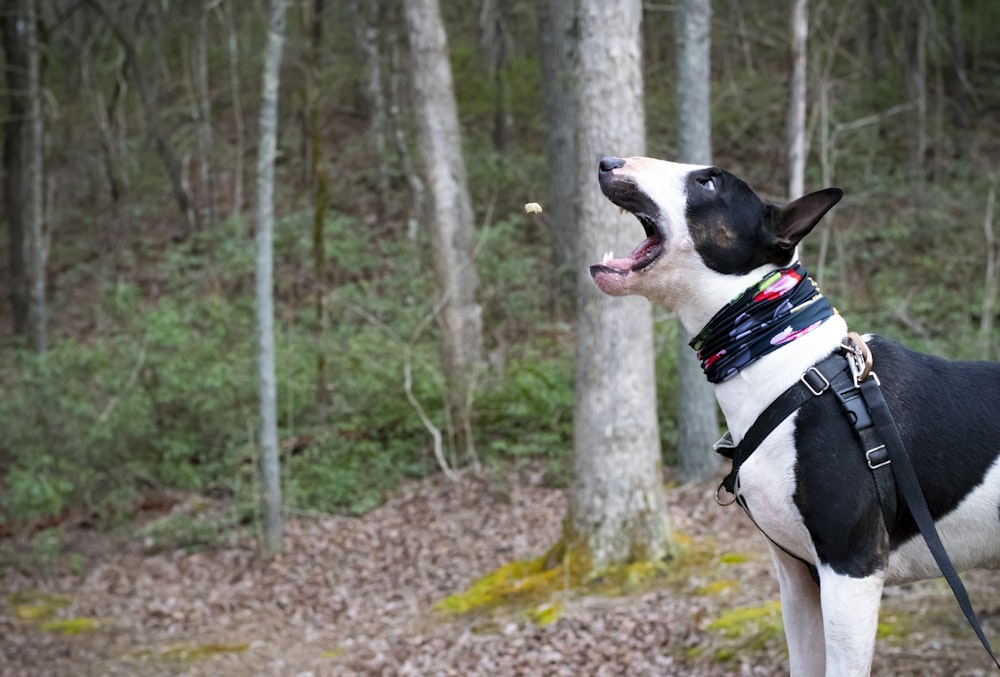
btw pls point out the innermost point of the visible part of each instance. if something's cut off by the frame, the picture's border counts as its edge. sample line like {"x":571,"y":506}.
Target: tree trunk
{"x":15,"y":53}
{"x":312,"y":11}
{"x":556,"y":18}
{"x":234,"y":86}
{"x":494,"y":37}
{"x":914,"y":68}
{"x":958,"y":81}
{"x":368,"y":16}
{"x":37,"y":246}
{"x":270,"y":469}
{"x":451,"y":218}
{"x":697,"y":418}
{"x":152,"y":110}
{"x":797,"y":103}
{"x":206,"y":177}
{"x":617,"y":508}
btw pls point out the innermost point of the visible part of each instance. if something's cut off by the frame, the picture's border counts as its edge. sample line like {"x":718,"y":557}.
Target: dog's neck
{"x":744,"y":395}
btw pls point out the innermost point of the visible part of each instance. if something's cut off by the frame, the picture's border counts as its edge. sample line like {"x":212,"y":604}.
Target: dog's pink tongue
{"x":623,"y":265}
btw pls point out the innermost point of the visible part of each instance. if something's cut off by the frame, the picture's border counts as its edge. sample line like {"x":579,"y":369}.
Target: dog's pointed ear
{"x":793,"y":222}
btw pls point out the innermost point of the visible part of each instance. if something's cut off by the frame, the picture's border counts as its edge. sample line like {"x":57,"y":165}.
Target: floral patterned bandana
{"x":783,"y":306}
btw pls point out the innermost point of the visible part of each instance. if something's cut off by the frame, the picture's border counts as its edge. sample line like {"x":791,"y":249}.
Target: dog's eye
{"x":708,"y":183}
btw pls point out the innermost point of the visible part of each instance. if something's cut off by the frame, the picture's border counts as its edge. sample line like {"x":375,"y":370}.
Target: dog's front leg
{"x":850,"y":620}
{"x":801,"y":614}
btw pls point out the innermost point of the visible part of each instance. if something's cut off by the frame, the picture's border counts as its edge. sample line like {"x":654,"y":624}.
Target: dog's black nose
{"x":608,"y":163}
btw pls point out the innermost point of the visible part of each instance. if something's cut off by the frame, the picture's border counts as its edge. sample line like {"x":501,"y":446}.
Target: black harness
{"x":847,"y":373}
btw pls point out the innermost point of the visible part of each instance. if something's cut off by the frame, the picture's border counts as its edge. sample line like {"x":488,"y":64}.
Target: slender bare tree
{"x":16,"y":72}
{"x":617,"y":506}
{"x":697,"y":419}
{"x":204,"y":107}
{"x":233,"y":45}
{"x":37,"y":245}
{"x":451,"y":217}
{"x":270,"y":470}
{"x":797,"y":100}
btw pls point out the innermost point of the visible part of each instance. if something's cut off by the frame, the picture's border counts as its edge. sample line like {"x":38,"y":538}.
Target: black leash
{"x":913,"y":498}
{"x":859,"y":393}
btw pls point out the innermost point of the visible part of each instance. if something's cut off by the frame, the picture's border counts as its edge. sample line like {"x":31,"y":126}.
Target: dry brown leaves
{"x":353,"y":596}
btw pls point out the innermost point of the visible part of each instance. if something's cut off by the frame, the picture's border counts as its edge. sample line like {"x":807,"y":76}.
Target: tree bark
{"x":697,"y":418}
{"x":312,"y":12}
{"x":914,"y":68}
{"x":958,"y":81}
{"x":451,"y":218}
{"x":797,"y":100}
{"x":617,"y":508}
{"x":270,"y":469}
{"x":556,"y":20}
{"x":368,"y":16}
{"x":37,"y":246}
{"x":15,"y":53}
{"x":206,"y":176}
{"x":234,"y":86}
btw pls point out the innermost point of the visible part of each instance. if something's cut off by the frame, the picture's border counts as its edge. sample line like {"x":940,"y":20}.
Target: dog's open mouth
{"x":623,"y":192}
{"x":641,"y":258}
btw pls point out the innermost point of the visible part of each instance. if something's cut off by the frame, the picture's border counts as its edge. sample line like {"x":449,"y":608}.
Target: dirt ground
{"x":353,"y":596}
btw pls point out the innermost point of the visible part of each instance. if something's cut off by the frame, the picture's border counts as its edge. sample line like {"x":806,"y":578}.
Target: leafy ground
{"x":354,"y":596}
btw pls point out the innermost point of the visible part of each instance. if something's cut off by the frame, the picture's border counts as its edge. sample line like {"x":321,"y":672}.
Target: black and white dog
{"x":714,"y":251}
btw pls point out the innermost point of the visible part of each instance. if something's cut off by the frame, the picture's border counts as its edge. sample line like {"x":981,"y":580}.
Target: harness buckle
{"x":859,"y":357}
{"x":877,"y":457}
{"x":814,"y":380}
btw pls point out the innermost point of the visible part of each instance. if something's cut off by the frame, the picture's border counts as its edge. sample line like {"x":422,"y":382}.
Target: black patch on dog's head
{"x":735,"y":232}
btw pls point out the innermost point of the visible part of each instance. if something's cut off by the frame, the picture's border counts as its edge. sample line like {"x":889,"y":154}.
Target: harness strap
{"x":913,"y":496}
{"x":813,"y":383}
{"x":860,"y":396}
{"x":857,"y":411}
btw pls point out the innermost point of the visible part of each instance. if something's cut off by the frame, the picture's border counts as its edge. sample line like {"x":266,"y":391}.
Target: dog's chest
{"x":766,"y":486}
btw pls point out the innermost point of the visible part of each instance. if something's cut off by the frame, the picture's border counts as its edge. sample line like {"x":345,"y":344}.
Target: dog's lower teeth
{"x":607,"y":257}
{"x":621,"y":210}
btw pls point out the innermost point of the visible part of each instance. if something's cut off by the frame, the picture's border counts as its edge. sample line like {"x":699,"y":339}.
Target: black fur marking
{"x":928,"y":397}
{"x":624,"y":192}
{"x":735,"y":232}
{"x":727,"y":224}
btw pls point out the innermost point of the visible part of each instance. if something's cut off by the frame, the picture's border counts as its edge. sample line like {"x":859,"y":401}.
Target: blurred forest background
{"x":147,"y":384}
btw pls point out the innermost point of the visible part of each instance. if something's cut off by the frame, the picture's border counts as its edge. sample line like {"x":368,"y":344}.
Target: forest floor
{"x":354,"y":596}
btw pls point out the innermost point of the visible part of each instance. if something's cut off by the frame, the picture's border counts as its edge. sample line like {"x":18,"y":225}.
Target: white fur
{"x":970,"y":533}
{"x":850,"y":621}
{"x":802,"y":615}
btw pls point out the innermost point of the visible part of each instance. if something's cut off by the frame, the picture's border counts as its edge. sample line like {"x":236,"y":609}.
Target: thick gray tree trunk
{"x":697,"y":420}
{"x":617,"y":510}
{"x":270,"y":469}
{"x":37,"y":246}
{"x":799,"y":26}
{"x":556,"y":21}
{"x":451,"y":217}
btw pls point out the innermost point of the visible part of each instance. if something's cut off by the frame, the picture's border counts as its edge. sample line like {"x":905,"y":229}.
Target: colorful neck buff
{"x":780,"y":308}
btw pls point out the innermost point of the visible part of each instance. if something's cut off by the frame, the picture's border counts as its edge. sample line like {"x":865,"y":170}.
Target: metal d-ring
{"x":719,"y":501}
